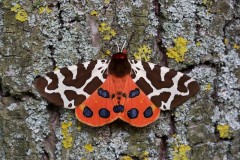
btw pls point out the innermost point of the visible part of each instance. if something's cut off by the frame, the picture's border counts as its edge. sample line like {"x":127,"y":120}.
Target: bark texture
{"x":198,"y":37}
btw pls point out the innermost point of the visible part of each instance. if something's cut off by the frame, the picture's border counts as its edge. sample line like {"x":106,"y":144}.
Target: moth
{"x":102,"y":91}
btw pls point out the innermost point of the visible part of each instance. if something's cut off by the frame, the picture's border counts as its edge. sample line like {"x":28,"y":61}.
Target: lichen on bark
{"x":60,"y":33}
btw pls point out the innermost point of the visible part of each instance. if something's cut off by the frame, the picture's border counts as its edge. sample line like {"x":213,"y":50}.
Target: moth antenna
{"x":123,"y":46}
{"x":117,"y":47}
{"x":111,"y":48}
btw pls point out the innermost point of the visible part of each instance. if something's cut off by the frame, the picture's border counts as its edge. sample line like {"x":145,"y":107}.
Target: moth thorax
{"x":119,"y":67}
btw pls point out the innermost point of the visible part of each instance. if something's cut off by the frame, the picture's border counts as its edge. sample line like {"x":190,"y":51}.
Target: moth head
{"x":119,"y":55}
{"x":119,"y":65}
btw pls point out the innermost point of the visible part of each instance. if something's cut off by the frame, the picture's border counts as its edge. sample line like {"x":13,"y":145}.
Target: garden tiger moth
{"x":102,"y":91}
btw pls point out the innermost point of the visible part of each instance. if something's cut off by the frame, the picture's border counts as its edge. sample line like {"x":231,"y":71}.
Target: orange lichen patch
{"x":178,"y":51}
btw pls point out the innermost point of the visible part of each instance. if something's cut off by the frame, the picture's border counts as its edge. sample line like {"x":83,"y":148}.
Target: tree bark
{"x":37,"y":37}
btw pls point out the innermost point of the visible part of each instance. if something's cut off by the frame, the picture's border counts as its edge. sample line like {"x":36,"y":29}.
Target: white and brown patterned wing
{"x":165,"y":87}
{"x":70,"y":86}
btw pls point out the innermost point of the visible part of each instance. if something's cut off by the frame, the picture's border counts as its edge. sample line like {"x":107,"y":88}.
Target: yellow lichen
{"x":102,"y":27}
{"x":224,"y":130}
{"x":198,"y":44}
{"x":79,"y":128}
{"x":207,"y":2}
{"x":45,"y":9}
{"x":41,"y":10}
{"x":108,"y":52}
{"x":106,"y":31}
{"x":56,"y":68}
{"x":235,"y":46}
{"x":21,"y":14}
{"x":67,"y":137}
{"x":180,"y":152}
{"x":178,"y":51}
{"x":106,"y":1}
{"x":226,"y":41}
{"x":89,"y":148}
{"x":208,"y":87}
{"x":143,"y":53}
{"x":126,"y":158}
{"x":145,"y":154}
{"x":16,"y":8}
{"x":94,"y":13}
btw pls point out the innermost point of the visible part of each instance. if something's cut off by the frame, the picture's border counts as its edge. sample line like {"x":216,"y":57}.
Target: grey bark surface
{"x":205,"y":127}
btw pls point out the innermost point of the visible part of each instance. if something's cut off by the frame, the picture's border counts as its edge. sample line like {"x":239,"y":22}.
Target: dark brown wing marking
{"x":70,"y":86}
{"x":165,"y":87}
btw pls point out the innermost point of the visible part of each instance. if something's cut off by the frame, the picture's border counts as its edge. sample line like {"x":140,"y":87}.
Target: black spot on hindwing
{"x":132,"y":113}
{"x":104,"y":113}
{"x":118,"y":108}
{"x":148,"y":112}
{"x":87,"y":112}
{"x":103,"y":93}
{"x":134,"y":93}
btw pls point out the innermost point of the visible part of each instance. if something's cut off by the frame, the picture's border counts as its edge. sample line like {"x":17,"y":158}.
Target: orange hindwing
{"x":117,"y":98}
